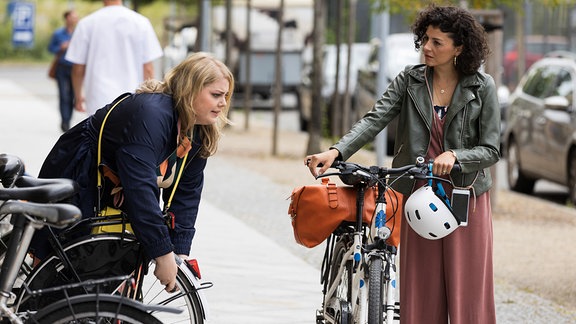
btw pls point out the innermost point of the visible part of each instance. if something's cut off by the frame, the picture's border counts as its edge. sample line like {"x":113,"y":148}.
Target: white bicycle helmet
{"x":428,"y":215}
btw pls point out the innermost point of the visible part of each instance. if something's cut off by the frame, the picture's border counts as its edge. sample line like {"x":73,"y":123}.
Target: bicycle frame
{"x":360,"y":253}
{"x":16,"y":253}
{"x":388,"y":252}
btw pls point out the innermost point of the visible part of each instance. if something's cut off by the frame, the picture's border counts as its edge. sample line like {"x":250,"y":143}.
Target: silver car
{"x":540,"y":135}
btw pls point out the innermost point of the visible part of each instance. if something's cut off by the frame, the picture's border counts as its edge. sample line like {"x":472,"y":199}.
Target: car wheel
{"x":517,"y":181}
{"x":572,"y":177}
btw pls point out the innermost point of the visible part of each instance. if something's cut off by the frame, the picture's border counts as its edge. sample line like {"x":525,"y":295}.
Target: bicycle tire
{"x":376,"y":291}
{"x":107,"y":255}
{"x":339,"y":305}
{"x":95,"y":311}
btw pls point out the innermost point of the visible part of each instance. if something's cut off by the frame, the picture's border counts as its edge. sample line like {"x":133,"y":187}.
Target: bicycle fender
{"x":198,"y":285}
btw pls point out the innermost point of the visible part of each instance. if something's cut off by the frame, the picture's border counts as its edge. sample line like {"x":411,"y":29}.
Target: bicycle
{"x":30,"y":215}
{"x":69,"y":264}
{"x":98,"y":255}
{"x":359,"y":268}
{"x":109,"y":254}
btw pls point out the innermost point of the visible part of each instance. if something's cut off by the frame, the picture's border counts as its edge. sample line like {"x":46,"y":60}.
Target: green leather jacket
{"x":471,"y":127}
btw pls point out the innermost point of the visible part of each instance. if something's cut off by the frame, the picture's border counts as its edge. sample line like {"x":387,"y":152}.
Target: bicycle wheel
{"x":93,"y":310}
{"x":375,"y":291}
{"x":339,"y":305}
{"x":107,"y":255}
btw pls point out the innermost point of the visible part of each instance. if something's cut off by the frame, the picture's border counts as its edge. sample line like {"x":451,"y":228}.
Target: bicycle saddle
{"x":39,"y":190}
{"x":57,"y":215}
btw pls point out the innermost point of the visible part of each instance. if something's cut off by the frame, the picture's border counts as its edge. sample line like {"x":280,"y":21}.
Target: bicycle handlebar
{"x":39,"y":190}
{"x":352,"y":173}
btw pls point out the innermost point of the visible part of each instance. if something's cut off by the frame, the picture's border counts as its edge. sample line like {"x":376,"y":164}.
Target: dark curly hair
{"x":462,"y":28}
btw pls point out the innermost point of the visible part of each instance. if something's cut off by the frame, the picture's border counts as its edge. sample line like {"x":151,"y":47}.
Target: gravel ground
{"x":533,"y":238}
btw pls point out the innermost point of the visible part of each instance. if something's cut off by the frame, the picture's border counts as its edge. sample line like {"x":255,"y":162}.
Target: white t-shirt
{"x":114,"y":42}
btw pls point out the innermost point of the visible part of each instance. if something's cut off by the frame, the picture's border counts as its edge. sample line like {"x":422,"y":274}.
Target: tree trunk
{"x":135,"y":5}
{"x":278,"y":79}
{"x":315,"y":125}
{"x":346,"y":119}
{"x":229,"y":42}
{"x":248,"y":53}
{"x":335,"y":104}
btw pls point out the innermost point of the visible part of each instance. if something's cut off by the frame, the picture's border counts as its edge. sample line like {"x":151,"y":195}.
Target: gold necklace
{"x":442,"y":101}
{"x":446,"y":88}
{"x":440,"y":98}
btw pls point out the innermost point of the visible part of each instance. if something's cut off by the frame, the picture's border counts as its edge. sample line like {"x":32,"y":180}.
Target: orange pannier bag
{"x":317,"y":210}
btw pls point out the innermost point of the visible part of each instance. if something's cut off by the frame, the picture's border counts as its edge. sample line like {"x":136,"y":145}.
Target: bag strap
{"x":180,"y":171}
{"x":332,"y":192}
{"x":99,"y":154}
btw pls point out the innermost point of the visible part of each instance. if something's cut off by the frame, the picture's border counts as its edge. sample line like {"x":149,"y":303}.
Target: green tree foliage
{"x":410,"y":7}
{"x":137,"y":4}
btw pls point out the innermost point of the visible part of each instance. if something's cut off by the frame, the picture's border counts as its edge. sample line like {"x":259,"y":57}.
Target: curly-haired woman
{"x":448,"y":111}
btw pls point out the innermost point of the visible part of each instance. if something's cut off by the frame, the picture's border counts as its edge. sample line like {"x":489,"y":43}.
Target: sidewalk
{"x":256,"y":281}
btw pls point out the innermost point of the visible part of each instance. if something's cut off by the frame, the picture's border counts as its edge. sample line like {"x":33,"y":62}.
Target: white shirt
{"x":114,"y":43}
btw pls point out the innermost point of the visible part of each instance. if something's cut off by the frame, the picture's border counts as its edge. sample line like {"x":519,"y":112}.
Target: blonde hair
{"x":184,"y":83}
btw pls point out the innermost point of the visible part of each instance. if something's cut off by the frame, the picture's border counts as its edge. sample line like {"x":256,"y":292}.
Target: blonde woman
{"x":144,"y":138}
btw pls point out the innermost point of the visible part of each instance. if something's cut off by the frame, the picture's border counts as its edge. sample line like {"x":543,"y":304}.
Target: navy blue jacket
{"x":59,"y":36}
{"x":140,"y":133}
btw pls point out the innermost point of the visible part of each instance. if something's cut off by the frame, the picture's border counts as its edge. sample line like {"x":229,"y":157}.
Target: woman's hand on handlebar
{"x":325,"y":159}
{"x":444,"y":163}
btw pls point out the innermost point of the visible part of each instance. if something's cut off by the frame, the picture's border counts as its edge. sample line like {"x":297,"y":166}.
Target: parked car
{"x":401,"y":52}
{"x":536,"y":46}
{"x":540,"y":135}
{"x":359,"y":57}
{"x":179,"y":46}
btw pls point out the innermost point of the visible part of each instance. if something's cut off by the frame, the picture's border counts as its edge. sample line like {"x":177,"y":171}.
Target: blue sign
{"x":22,"y":14}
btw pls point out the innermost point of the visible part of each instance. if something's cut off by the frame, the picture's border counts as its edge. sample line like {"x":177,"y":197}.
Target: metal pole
{"x":206,"y":26}
{"x":383,"y":30}
{"x":248,"y":52}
